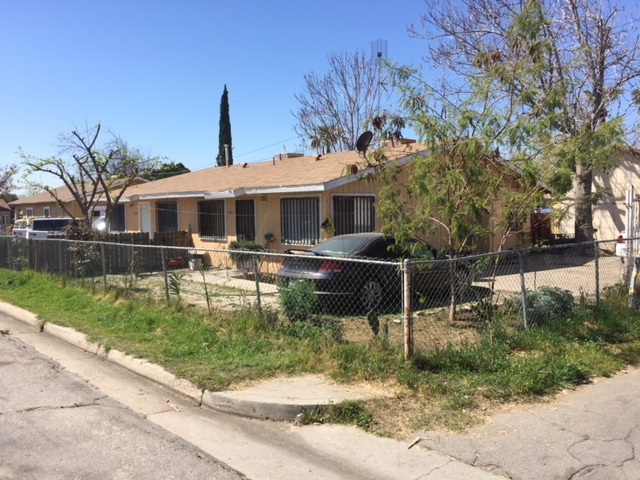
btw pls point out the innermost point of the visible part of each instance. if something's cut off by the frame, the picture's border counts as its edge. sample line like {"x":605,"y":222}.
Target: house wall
{"x":609,"y":214}
{"x":267,"y":213}
{"x":6,"y":219}
{"x":38,"y":210}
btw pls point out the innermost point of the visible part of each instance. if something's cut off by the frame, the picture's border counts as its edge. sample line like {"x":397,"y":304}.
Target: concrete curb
{"x":280,"y":400}
{"x":22,"y":315}
{"x":227,"y":403}
{"x":140,"y":366}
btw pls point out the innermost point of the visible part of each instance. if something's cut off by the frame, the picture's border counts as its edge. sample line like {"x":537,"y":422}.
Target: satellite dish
{"x":363,"y":141}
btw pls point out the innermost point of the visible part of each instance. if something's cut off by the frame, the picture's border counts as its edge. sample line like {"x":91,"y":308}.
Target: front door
{"x":144,"y":213}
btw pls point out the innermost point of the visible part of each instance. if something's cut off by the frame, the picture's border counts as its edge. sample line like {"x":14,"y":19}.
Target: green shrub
{"x":298,"y":301}
{"x":314,"y":329}
{"x":544,"y":304}
{"x":350,"y":412}
{"x":241,"y":259}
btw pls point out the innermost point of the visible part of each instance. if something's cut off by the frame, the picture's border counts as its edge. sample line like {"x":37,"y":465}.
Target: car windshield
{"x":340,"y":246}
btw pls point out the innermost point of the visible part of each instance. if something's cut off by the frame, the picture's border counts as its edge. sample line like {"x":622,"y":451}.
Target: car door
{"x":430,"y":273}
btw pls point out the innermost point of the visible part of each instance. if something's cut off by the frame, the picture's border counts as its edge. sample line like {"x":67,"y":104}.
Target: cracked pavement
{"x":53,"y":425}
{"x":589,"y":433}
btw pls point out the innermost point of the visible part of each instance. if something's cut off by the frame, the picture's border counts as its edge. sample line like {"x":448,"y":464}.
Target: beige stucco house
{"x":6,"y":216}
{"x":292,"y":200}
{"x":609,"y":213}
{"x":44,"y":204}
{"x":286,"y":202}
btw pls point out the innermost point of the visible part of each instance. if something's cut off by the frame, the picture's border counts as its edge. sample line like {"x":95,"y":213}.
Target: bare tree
{"x":92,"y":171}
{"x":335,"y":107}
{"x":567,"y":67}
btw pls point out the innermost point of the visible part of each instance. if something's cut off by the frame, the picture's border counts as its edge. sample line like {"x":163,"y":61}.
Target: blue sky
{"x":154,"y":71}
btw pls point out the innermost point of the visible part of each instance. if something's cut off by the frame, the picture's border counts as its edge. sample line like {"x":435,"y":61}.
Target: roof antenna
{"x":379,"y":54}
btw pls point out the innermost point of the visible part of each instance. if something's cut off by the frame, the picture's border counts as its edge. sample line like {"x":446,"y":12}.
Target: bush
{"x":298,"y":301}
{"x":316,"y":329}
{"x":543,"y":304}
{"x":240,"y":259}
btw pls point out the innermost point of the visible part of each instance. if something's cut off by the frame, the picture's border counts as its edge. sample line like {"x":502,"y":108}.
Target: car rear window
{"x":50,"y":224}
{"x":340,"y":246}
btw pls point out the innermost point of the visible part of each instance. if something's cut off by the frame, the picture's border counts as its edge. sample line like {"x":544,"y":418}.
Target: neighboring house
{"x":6,"y":216}
{"x":44,"y":204}
{"x":609,"y":213}
{"x":290,"y":201}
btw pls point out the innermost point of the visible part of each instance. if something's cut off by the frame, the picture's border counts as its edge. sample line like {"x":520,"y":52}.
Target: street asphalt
{"x":588,"y":433}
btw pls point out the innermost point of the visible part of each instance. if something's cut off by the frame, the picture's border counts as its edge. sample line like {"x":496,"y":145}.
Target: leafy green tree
{"x":562,"y":74}
{"x":7,"y":173}
{"x":166,"y":170}
{"x":224,"y":137}
{"x":459,"y":185}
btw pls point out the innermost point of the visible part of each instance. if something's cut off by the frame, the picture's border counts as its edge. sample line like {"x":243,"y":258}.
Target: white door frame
{"x":144,"y":218}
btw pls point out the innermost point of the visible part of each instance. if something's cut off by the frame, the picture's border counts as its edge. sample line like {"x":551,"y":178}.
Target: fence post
{"x":104,"y":264}
{"x":633,"y":302}
{"x":407,"y":309}
{"x":597,"y":265}
{"x":59,"y":245}
{"x":523,"y":290}
{"x":163,"y":257}
{"x":256,"y":276}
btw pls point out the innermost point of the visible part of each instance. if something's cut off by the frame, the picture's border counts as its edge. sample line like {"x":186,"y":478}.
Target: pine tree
{"x":225,"y":131}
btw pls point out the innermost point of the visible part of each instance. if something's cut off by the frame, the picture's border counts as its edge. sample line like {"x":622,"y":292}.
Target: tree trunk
{"x":584,"y":210}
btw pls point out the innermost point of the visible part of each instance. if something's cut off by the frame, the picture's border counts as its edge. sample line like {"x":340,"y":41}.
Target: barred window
{"x":167,"y":216}
{"x":300,"y":221}
{"x":353,"y":214}
{"x":211,"y":219}
{"x":246,"y":220}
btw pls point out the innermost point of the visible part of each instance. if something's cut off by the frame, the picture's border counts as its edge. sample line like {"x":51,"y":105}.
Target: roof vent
{"x":284,"y":156}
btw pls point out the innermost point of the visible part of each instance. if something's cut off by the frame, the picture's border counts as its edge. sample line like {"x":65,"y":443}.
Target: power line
{"x":252,"y":151}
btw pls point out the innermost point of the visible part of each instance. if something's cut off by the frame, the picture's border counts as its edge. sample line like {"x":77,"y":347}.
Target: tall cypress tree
{"x":225,"y":131}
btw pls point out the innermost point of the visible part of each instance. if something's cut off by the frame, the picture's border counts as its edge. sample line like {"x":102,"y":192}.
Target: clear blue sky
{"x":153,"y":71}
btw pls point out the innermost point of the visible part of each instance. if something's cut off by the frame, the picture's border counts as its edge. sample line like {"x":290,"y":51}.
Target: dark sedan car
{"x":364,"y":270}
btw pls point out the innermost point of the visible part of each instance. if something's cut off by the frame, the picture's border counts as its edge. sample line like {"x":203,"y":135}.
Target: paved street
{"x":53,"y":425}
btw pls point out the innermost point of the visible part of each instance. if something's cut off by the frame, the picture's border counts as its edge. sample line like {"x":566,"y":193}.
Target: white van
{"x":44,"y":227}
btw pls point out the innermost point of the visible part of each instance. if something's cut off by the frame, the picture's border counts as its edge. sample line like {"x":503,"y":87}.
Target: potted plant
{"x":196,"y":259}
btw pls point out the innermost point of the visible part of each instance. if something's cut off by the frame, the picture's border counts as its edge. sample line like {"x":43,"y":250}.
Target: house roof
{"x":4,"y":205}
{"x":290,"y":175}
{"x":45,"y":197}
{"x":63,"y":193}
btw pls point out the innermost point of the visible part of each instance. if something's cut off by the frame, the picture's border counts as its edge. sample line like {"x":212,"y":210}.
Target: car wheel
{"x":371,"y":295}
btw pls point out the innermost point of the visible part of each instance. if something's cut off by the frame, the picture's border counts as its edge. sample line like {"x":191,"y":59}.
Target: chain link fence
{"x":419,"y":304}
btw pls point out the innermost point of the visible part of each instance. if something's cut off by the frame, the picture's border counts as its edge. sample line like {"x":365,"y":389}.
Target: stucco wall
{"x":609,"y":213}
